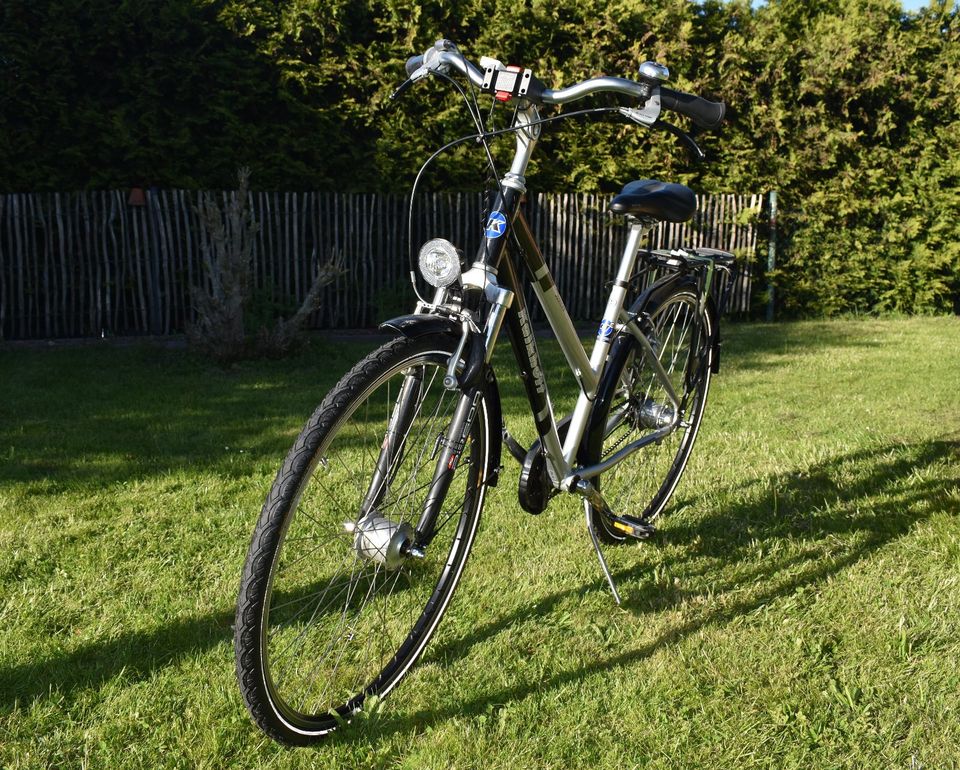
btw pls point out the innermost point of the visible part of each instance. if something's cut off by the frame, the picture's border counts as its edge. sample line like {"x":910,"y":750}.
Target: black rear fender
{"x":662,"y":289}
{"x":623,"y":344}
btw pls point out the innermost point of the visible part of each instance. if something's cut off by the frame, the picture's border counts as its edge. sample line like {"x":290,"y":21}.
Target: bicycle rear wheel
{"x":641,"y":485}
{"x":329,"y":614}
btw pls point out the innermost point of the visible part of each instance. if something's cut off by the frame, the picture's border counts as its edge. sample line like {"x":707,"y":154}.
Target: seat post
{"x":618,"y":293}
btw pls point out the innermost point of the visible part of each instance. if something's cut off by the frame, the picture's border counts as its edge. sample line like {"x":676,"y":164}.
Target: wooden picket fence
{"x":91,"y":264}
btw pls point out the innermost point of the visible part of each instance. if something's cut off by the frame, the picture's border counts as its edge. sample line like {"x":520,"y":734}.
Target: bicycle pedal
{"x":641,"y":530}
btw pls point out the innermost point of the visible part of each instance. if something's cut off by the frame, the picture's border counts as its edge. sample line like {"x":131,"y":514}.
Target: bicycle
{"x":364,"y":535}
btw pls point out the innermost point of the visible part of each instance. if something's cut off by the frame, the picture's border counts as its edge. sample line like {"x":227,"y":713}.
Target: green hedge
{"x":849,"y":108}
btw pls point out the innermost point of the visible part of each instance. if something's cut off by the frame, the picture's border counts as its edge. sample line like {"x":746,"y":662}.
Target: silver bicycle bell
{"x":654,"y":72}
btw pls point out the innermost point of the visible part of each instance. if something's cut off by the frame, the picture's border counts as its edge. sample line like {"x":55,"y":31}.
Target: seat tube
{"x":617,"y":296}
{"x":605,"y":334}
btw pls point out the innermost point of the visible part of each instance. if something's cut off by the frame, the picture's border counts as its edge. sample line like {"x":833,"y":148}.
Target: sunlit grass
{"x":798,"y":608}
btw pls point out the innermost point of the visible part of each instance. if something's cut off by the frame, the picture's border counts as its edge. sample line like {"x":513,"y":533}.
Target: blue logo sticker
{"x":496,"y":225}
{"x":606,"y":330}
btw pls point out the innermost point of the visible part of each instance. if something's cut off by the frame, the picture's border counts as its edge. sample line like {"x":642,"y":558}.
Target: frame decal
{"x":496,"y":225}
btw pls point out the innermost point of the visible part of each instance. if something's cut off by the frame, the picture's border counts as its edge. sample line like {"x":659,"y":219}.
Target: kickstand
{"x":588,"y":510}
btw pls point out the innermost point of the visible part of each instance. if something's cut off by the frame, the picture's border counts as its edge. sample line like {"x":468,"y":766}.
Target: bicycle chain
{"x":617,"y":445}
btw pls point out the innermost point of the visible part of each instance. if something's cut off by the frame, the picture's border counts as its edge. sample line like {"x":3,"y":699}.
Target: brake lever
{"x":646,"y":116}
{"x":685,"y":138}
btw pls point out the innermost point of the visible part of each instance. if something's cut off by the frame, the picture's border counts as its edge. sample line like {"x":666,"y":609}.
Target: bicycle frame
{"x":560,"y":455}
{"x":495,"y":251}
{"x":494,"y":275}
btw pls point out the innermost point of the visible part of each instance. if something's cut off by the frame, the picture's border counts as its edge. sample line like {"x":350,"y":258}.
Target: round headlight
{"x":439,"y":262}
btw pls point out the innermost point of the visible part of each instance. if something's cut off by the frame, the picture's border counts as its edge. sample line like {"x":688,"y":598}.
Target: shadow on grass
{"x":875,"y":497}
{"x":79,"y":417}
{"x":133,"y":655}
{"x":766,"y":346}
{"x":137,"y":655}
{"x":840,"y":511}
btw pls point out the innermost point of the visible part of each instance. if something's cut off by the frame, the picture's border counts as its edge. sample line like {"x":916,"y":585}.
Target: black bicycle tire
{"x":655,"y":507}
{"x":266,"y":709}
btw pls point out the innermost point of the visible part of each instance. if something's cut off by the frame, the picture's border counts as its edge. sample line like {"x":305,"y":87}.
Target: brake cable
{"x":483,"y":136}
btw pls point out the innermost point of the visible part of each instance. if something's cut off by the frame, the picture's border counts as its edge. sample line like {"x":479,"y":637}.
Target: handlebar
{"x":702,"y":112}
{"x":443,"y":56}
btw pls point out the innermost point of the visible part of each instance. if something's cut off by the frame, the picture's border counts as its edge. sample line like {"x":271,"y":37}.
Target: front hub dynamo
{"x":378,"y":539}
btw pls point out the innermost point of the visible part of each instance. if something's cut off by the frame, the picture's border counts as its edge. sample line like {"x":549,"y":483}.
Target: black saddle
{"x":660,"y":200}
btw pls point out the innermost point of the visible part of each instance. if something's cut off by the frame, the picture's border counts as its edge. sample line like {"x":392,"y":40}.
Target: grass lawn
{"x":800,"y":606}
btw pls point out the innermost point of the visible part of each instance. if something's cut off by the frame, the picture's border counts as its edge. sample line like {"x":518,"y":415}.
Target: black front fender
{"x":420,"y":324}
{"x":491,"y":397}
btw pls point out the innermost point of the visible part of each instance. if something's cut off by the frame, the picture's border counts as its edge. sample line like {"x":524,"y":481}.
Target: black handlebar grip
{"x":703,"y":113}
{"x":413,"y":64}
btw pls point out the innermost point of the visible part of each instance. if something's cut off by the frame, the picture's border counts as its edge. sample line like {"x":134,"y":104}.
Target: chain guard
{"x":535,"y":489}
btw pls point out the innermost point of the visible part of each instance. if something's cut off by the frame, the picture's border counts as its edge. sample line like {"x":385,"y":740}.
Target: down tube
{"x":523,"y":342}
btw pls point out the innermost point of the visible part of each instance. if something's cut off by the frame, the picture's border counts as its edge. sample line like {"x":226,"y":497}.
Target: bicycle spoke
{"x":644,"y":480}
{"x":338,"y":616}
{"x":391,"y":472}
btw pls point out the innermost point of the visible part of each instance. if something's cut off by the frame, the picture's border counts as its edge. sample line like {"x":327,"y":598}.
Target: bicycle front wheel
{"x":641,"y":485}
{"x":332,"y":608}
